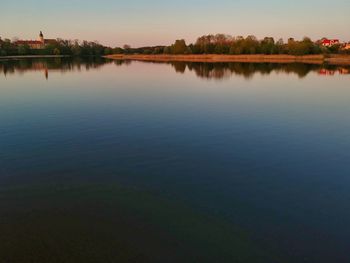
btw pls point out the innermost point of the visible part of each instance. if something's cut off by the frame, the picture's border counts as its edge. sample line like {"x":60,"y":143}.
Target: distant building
{"x":329,"y":42}
{"x":36,"y":44}
{"x":346,"y":46}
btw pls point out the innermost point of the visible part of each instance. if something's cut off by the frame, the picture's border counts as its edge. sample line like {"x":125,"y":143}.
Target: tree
{"x":76,"y":49}
{"x":251,"y":45}
{"x":118,"y":50}
{"x":127,"y":49}
{"x":280,"y":46}
{"x":23,"y":50}
{"x":179,"y":47}
{"x":56,"y":52}
{"x":108,"y":51}
{"x":167,"y":50}
{"x":267,"y":45}
{"x":335,"y":48}
{"x":205,"y":44}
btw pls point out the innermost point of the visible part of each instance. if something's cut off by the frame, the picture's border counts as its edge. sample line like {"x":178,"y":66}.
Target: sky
{"x":160,"y":22}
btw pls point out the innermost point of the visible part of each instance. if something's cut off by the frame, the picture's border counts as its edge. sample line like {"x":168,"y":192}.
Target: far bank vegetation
{"x":229,"y":45}
{"x":208,"y":44}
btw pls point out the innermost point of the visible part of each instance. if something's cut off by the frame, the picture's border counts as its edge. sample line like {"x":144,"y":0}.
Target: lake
{"x":120,"y":161}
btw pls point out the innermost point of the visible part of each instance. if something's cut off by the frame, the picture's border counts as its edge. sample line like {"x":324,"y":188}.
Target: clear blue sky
{"x":151,"y":22}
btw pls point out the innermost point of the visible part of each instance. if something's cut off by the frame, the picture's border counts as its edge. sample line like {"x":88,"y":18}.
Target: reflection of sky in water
{"x":269,"y":153}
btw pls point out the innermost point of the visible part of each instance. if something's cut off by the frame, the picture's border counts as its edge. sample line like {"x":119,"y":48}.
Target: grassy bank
{"x":310,"y":59}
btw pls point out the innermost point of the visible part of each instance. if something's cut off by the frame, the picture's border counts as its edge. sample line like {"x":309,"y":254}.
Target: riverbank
{"x":310,"y":59}
{"x":34,"y":56}
{"x":213,"y":58}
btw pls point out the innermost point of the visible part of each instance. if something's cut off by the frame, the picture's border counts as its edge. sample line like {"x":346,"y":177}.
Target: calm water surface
{"x":113,"y":161}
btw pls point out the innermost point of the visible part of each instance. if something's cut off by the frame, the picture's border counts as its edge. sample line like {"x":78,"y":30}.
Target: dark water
{"x":112,"y":161}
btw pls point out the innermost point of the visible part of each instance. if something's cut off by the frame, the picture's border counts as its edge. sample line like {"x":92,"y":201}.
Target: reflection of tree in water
{"x":119,"y":62}
{"x":247,"y":70}
{"x":210,"y":70}
{"x":300,"y":69}
{"x":218,"y":71}
{"x":180,"y":67}
{"x":46,"y":65}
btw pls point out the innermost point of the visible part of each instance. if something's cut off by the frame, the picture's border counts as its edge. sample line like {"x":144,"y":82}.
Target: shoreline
{"x":34,"y":56}
{"x":213,"y":58}
{"x":333,"y":59}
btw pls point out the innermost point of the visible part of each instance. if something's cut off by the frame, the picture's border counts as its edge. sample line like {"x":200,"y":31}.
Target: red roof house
{"x":329,"y":42}
{"x":36,"y":44}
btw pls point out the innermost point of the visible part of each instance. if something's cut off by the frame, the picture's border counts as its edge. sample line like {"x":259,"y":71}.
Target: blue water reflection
{"x":263,"y":148}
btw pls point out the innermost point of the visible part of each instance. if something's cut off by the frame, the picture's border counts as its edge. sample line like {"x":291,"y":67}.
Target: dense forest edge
{"x":219,"y":44}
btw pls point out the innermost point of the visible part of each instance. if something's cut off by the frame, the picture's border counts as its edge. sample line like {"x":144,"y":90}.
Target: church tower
{"x":41,"y":37}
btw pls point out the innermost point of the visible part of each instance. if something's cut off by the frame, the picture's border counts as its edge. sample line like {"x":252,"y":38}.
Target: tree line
{"x":208,"y":44}
{"x":59,"y":47}
{"x":229,"y":45}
